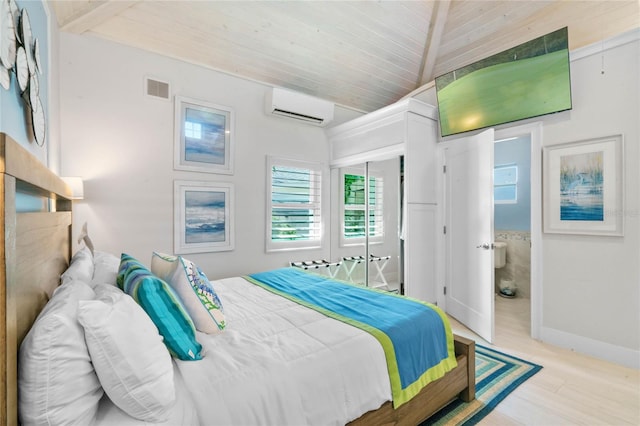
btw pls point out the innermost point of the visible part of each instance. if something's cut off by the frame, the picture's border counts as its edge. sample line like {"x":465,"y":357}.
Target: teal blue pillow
{"x":162,"y":305}
{"x":128,"y":264}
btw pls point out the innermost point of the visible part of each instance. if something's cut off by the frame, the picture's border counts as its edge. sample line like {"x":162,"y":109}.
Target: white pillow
{"x":106,"y":268}
{"x":132,"y":362}
{"x":195,"y":290}
{"x":183,"y":413}
{"x":80,"y":268}
{"x":56,"y":380}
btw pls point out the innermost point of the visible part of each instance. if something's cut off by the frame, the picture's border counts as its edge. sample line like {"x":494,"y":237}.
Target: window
{"x":294,"y":206}
{"x":505,"y":184}
{"x":192,"y":130}
{"x":353,"y":207}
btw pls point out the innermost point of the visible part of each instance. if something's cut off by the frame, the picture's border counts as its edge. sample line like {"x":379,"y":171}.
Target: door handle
{"x":485,"y":246}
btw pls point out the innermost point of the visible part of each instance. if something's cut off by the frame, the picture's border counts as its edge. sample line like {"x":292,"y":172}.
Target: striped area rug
{"x":497,"y":375}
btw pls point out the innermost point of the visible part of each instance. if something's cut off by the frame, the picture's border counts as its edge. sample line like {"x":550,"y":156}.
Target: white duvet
{"x":276,"y":363}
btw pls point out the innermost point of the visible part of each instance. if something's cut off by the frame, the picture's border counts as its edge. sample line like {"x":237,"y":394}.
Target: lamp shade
{"x":76,"y":185}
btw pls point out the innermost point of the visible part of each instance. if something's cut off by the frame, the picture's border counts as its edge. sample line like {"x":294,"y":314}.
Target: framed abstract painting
{"x":203,"y":136}
{"x":583,"y":187}
{"x":204,"y":220}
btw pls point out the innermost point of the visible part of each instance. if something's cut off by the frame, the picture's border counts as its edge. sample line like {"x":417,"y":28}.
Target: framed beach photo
{"x":203,"y":136}
{"x":583,"y":187}
{"x":203,"y":217}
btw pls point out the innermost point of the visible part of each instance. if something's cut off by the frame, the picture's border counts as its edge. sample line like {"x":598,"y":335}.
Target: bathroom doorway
{"x":518,"y":224}
{"x":480,"y":316}
{"x":512,"y":230}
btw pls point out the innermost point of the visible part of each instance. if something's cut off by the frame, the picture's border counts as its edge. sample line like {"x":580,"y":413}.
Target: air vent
{"x":301,"y":117}
{"x":157,"y":89}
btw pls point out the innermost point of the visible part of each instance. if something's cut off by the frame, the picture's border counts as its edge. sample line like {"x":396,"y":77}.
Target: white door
{"x":469,"y":280}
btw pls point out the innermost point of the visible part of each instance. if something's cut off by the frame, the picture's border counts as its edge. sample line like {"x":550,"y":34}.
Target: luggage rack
{"x":379,"y":261}
{"x":332,"y":267}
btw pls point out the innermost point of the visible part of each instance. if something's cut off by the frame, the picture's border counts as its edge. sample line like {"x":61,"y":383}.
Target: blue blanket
{"x":416,"y":336}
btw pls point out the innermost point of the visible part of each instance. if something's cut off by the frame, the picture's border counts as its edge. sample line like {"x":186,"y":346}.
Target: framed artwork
{"x":203,"y":136}
{"x":204,"y":220}
{"x":583,"y":187}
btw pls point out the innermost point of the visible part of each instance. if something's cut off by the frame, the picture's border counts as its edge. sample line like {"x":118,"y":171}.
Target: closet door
{"x":383,"y":249}
{"x":421,"y":267}
{"x":366,"y":223}
{"x":420,"y":252}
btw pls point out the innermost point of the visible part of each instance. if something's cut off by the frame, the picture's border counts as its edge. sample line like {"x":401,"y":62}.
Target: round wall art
{"x":20,"y":54}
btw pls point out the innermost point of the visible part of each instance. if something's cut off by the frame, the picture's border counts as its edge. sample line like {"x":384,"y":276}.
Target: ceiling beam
{"x":93,"y":14}
{"x":439,"y":19}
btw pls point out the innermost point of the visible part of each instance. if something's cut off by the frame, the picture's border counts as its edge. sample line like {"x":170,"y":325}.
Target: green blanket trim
{"x":399,"y":395}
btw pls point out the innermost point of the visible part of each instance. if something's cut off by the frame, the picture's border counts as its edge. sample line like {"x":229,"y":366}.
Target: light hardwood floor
{"x":571,"y":388}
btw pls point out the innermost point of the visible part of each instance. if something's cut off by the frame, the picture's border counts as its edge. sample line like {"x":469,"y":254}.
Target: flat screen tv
{"x":526,"y":81}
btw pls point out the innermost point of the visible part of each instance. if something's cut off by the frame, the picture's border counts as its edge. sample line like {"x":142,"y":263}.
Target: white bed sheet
{"x":276,"y":363}
{"x":279,"y":363}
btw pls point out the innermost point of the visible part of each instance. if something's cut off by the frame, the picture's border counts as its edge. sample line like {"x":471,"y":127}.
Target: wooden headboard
{"x":36,"y":250}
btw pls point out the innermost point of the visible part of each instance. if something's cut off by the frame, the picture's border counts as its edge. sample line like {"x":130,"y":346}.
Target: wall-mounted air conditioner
{"x":298,"y":106}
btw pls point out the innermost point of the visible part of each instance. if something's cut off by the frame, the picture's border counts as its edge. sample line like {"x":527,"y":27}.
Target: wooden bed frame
{"x":457,"y":383}
{"x":37,"y":250}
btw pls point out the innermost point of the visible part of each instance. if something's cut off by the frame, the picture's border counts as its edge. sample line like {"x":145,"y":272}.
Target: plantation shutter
{"x":295,"y":207}
{"x":354,"y":206}
{"x":376,"y":220}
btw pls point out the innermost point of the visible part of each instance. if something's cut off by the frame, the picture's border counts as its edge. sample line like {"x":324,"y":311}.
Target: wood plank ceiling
{"x":359,"y":54}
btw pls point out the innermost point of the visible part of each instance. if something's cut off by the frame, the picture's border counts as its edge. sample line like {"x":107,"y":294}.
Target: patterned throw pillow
{"x":195,"y":290}
{"x":162,"y":305}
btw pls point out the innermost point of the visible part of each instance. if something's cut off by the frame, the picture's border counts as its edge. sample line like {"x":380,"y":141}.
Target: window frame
{"x":315,"y":204}
{"x":505,"y":185}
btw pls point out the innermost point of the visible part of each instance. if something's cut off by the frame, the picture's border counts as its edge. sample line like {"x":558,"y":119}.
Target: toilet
{"x":507,"y":288}
{"x":499,"y":254}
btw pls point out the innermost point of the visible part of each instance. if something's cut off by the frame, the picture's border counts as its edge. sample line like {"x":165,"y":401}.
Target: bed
{"x":37,"y":252}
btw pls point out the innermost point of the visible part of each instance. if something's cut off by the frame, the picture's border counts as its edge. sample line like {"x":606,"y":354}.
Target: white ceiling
{"x":359,"y":54}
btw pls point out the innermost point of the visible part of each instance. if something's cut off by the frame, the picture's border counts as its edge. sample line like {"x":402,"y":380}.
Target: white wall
{"x":121,"y":142}
{"x":598,"y":278}
{"x":591,"y":285}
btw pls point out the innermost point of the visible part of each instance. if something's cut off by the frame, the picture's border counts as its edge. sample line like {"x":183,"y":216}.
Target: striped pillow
{"x":128,"y":265}
{"x":162,"y":305}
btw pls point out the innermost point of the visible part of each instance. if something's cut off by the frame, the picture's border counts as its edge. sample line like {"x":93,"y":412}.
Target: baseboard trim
{"x":606,"y":351}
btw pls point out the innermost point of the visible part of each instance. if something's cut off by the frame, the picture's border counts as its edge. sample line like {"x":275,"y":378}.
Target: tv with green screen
{"x":528,"y":80}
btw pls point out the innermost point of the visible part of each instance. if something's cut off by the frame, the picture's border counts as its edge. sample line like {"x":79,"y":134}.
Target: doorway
{"x":533,"y":239}
{"x":512,"y":233}
{"x":452,"y":247}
